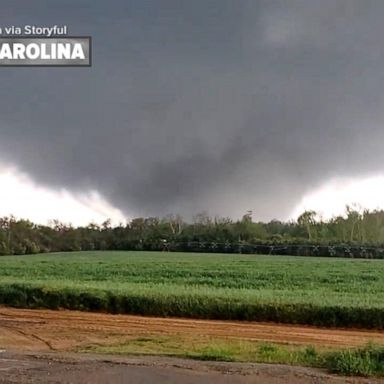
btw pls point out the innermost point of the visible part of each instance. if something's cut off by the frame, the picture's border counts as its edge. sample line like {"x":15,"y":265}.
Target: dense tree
{"x":357,"y":228}
{"x":307,"y":220}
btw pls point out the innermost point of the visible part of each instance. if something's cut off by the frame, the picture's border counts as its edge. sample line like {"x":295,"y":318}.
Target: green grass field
{"x":304,"y":290}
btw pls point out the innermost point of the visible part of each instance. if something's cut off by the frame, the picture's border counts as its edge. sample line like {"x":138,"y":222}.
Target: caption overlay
{"x":43,"y":46}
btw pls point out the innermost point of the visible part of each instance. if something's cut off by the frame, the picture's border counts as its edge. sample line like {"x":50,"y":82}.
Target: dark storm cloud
{"x":201,"y":105}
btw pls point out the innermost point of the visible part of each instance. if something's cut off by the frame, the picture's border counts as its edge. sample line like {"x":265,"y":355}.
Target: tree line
{"x":355,"y":229}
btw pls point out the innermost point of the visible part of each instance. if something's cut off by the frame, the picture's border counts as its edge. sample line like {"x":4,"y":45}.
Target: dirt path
{"x":43,"y":330}
{"x":36,"y":345}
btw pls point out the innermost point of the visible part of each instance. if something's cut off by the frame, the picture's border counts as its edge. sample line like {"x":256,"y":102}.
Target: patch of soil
{"x":45,"y":330}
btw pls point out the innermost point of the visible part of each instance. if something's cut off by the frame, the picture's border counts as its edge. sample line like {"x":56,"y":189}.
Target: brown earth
{"x":44,"y":330}
{"x":36,"y":345}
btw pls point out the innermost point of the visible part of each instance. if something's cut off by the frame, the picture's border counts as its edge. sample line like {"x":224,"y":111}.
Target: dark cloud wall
{"x":199,"y":105}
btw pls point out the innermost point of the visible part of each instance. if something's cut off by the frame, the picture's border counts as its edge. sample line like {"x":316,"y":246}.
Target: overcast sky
{"x":216,"y":105}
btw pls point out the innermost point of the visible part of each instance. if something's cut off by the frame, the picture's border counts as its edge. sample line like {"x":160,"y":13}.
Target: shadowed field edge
{"x":189,"y":306}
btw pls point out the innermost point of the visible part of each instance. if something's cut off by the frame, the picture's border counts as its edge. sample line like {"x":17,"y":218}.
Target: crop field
{"x":297,"y":290}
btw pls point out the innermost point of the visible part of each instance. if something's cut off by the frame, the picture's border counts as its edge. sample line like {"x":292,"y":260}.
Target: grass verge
{"x":365,"y":361}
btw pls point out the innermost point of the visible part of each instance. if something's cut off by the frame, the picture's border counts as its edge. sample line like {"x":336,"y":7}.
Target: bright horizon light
{"x":23,"y":199}
{"x":332,"y":197}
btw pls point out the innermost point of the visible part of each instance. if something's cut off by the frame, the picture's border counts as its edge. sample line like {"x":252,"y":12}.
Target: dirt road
{"x":43,"y":330}
{"x":36,"y":347}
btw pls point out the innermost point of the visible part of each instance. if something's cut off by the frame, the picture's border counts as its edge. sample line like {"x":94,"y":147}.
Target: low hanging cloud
{"x":213,"y":105}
